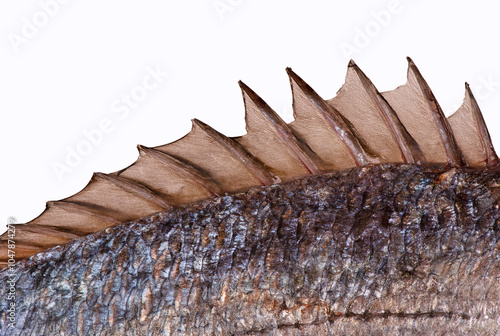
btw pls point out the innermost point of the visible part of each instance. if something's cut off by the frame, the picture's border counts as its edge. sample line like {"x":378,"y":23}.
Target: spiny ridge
{"x":471,"y":133}
{"x":359,"y":126}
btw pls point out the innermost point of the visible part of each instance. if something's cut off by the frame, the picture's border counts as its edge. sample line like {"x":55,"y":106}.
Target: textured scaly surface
{"x":375,"y":214}
{"x":379,"y":250}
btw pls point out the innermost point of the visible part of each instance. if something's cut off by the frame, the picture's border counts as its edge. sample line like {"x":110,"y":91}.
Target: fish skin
{"x":385,"y":249}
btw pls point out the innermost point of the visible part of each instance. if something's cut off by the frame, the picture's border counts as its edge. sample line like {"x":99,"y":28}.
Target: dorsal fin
{"x":357,"y":127}
{"x":270,"y":139}
{"x":471,"y":133}
{"x":380,"y":126}
{"x":220,"y":157}
{"x":421,"y":114}
{"x":187,"y":171}
{"x":333,"y":138}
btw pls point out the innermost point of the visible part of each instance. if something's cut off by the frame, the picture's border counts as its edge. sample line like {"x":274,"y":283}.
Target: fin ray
{"x":261,"y":117}
{"x":419,"y":111}
{"x":357,"y":127}
{"x":471,"y":133}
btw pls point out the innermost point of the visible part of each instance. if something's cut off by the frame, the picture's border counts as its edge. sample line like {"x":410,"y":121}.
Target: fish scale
{"x":370,"y":213}
{"x":255,"y":275}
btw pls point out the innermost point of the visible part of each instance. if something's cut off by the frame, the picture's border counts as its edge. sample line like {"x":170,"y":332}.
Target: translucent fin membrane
{"x":357,"y":127}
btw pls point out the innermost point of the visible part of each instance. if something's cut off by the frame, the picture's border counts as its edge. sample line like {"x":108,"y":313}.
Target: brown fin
{"x":92,"y":210}
{"x":241,"y":154}
{"x":188,"y":171}
{"x":220,"y":157}
{"x":22,"y":250}
{"x":121,"y":195}
{"x":379,"y":126}
{"x":136,"y":189}
{"x":409,"y":148}
{"x":78,"y":217}
{"x":359,"y":126}
{"x":31,"y":239}
{"x":421,"y":114}
{"x":168,"y":175}
{"x":324,"y":129}
{"x":270,"y":140}
{"x":471,"y":133}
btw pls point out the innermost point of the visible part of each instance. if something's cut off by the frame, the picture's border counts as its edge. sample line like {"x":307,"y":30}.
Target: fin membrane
{"x":359,"y":126}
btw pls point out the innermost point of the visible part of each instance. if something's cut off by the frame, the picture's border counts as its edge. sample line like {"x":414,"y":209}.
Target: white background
{"x":65,"y":66}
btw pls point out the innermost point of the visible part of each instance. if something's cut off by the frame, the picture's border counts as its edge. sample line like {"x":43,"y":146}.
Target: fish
{"x":370,"y":213}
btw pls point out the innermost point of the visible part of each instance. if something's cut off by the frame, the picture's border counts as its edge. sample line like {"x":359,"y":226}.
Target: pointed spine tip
{"x":95,"y":176}
{"x":468,"y":89}
{"x":197,"y":122}
{"x":246,"y":90}
{"x":242,"y":85}
{"x":202,"y":125}
{"x":256,"y":99}
{"x":142,"y":149}
{"x":412,"y":67}
{"x":293,"y":75}
{"x":290,"y":72}
{"x":351,"y":63}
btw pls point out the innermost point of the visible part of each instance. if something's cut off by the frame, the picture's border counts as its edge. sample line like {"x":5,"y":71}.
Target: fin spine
{"x":410,"y":150}
{"x":453,"y":153}
{"x":491,"y":158}
{"x":184,"y":169}
{"x":336,"y":121}
{"x":136,"y":189}
{"x":37,"y":235}
{"x":296,"y":146}
{"x":239,"y":152}
{"x":91,"y":210}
